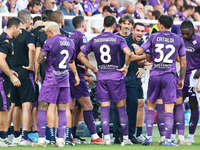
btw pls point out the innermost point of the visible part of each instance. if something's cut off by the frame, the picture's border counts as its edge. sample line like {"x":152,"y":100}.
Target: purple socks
{"x":105,"y":119}
{"x":169,"y":121}
{"x":41,"y":122}
{"x":89,"y":121}
{"x":123,"y":119}
{"x":179,"y":119}
{"x":193,"y":121}
{"x":62,"y":122}
{"x":160,"y":117}
{"x":149,"y":122}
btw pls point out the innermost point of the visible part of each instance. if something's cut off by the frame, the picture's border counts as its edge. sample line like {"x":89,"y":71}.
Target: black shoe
{"x":70,"y":143}
{"x":135,"y":141}
{"x":79,"y":138}
{"x":118,"y":140}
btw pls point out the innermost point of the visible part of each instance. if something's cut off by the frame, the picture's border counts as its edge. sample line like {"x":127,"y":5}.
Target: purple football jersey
{"x":163,"y":48}
{"x":192,"y":47}
{"x":59,"y":50}
{"x":106,"y":48}
{"x":181,"y":16}
{"x":79,"y":40}
{"x":89,"y":7}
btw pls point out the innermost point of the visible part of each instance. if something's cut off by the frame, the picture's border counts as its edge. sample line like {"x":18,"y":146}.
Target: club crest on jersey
{"x":84,"y":40}
{"x":194,"y":42}
{"x":6,"y":41}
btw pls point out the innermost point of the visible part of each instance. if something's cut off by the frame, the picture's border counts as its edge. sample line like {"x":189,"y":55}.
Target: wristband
{"x":125,"y":66}
{"x":12,"y":77}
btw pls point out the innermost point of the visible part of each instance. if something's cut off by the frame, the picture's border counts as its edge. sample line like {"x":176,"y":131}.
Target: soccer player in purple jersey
{"x":110,"y":79}
{"x":192,"y":46}
{"x":58,"y":51}
{"x":162,"y":49}
{"x":81,"y":92}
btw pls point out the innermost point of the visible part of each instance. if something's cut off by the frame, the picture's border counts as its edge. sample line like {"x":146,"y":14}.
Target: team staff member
{"x":23,"y":64}
{"x":14,"y":28}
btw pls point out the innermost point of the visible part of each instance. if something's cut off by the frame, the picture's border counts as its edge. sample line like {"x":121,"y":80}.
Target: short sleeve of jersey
{"x":87,"y":49}
{"x":30,"y":39}
{"x":122,"y":43}
{"x":182,"y":51}
{"x":83,"y":41}
{"x":46,"y":47}
{"x":4,"y":47}
{"x":146,"y":45}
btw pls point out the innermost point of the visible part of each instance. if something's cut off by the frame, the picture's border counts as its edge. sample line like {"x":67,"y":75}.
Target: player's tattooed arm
{"x":42,"y":58}
{"x":183,"y":67}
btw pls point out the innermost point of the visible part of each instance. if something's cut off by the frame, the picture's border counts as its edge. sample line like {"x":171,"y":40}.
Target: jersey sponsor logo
{"x":6,"y":41}
{"x":8,"y":95}
{"x":64,"y":43}
{"x":189,"y":49}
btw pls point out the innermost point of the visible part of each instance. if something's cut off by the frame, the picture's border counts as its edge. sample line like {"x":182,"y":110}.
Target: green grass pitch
{"x":195,"y":146}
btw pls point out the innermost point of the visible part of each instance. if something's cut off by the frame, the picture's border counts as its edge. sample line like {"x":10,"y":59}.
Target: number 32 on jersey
{"x":165,"y":59}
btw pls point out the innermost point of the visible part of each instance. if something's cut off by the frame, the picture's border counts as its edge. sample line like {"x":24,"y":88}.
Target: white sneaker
{"x":190,"y":139}
{"x":60,"y":142}
{"x":10,"y":137}
{"x":7,"y":141}
{"x":41,"y":143}
{"x":140,"y":138}
{"x":126,"y":142}
{"x":107,"y":142}
{"x":17,"y":140}
{"x":2,"y":144}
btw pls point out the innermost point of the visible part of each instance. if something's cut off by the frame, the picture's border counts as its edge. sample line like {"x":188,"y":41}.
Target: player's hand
{"x":38,"y":78}
{"x":15,"y":73}
{"x":83,"y":67}
{"x":135,"y":46}
{"x":146,"y":63}
{"x":123,"y":70}
{"x":140,"y":72}
{"x":180,"y":84}
{"x":198,"y":86}
{"x":77,"y":80}
{"x":197,"y":74}
{"x":15,"y":81}
{"x":31,"y":68}
{"x":95,"y":71}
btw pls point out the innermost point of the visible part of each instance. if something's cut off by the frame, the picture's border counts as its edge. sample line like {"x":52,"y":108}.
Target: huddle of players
{"x":110,"y":78}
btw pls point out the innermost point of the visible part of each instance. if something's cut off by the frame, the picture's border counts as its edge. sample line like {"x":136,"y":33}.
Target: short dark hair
{"x":187,"y":24}
{"x":187,"y":7}
{"x":36,"y":18}
{"x":32,"y":3}
{"x":139,"y":23}
{"x":14,"y":21}
{"x":77,"y":21}
{"x":46,"y":15}
{"x":57,"y":16}
{"x":109,"y":21}
{"x":156,"y":13}
{"x":166,"y":21}
{"x":125,"y":17}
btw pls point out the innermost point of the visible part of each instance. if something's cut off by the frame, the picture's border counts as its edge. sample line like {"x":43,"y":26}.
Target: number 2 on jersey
{"x":160,"y":51}
{"x":105,"y":53}
{"x":62,"y":63}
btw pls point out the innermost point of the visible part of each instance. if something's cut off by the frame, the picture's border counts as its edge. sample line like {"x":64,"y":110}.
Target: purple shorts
{"x":187,"y":89}
{"x":110,"y":89}
{"x":55,"y":95}
{"x":164,"y":85}
{"x":79,"y":91}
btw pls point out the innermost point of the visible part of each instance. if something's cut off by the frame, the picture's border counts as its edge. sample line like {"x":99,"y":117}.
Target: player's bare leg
{"x":51,"y":111}
{"x":160,"y":117}
{"x":17,"y":123}
{"x":3,"y":127}
{"x":140,"y":118}
{"x":10,"y":112}
{"x":85,"y":102}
